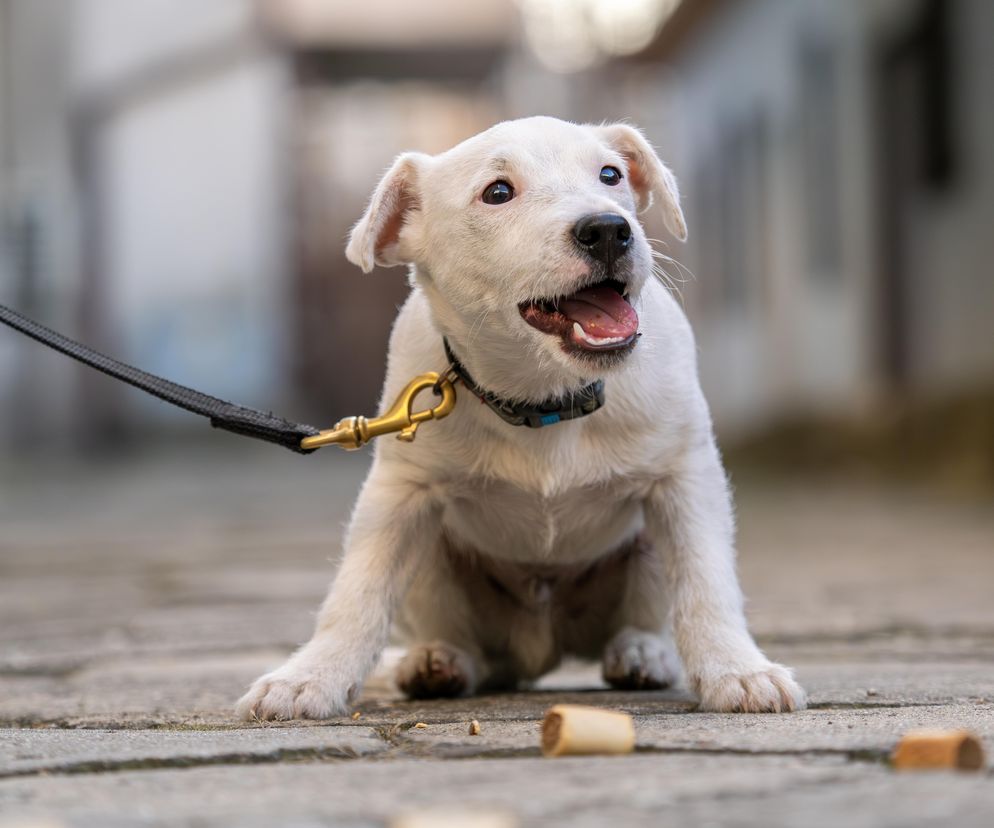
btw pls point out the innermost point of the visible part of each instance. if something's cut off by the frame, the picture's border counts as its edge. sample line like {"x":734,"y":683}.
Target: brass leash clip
{"x":354,"y":432}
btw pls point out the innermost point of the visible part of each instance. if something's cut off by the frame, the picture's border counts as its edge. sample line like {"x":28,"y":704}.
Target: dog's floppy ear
{"x":375,"y":239}
{"x":647,"y":174}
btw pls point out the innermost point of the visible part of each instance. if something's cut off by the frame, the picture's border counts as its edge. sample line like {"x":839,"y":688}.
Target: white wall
{"x":797,"y":341}
{"x":115,"y":39}
{"x":193,"y":192}
{"x":36,"y":211}
{"x":803,"y":341}
{"x":196,"y":214}
{"x":188,"y":114}
{"x":952,"y":234}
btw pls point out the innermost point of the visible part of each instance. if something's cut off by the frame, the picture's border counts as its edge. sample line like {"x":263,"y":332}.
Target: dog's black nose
{"x":605,"y":236}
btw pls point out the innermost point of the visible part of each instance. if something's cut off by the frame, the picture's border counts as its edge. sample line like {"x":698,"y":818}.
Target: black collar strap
{"x":579,"y":403}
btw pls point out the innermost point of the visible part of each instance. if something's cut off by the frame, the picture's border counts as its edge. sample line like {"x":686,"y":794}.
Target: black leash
{"x":239,"y":419}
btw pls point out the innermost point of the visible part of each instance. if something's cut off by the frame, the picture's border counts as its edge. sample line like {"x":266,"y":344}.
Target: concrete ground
{"x":138,"y":599}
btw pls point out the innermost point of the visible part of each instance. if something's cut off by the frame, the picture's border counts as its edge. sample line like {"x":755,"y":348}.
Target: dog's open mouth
{"x":597,"y":318}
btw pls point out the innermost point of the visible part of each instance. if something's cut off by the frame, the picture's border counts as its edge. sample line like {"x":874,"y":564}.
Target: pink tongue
{"x":601,"y":312}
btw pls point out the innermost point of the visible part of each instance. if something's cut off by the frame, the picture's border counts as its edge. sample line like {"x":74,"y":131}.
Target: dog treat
{"x":420,"y":726}
{"x":937,"y":749}
{"x":578,"y":730}
{"x":474,"y":728}
{"x":356,"y":715}
{"x":454,"y":818}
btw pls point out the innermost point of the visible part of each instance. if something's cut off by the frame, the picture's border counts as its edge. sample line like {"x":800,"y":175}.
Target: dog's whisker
{"x":663,"y":275}
{"x":667,"y":281}
{"x":657,"y":241}
{"x":676,"y":263}
{"x":663,"y":256}
{"x":677,"y":278}
{"x":478,"y":326}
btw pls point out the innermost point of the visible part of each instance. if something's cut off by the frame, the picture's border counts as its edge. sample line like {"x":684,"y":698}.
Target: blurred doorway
{"x":355,"y":111}
{"x":915,"y":155}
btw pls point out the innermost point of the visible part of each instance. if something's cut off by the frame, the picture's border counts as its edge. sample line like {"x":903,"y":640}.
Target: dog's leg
{"x":393,"y":525}
{"x":439,"y":623}
{"x":689,"y":519}
{"x":641,"y":654}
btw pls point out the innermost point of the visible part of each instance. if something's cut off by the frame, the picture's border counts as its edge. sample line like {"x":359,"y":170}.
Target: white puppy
{"x":499,"y":548}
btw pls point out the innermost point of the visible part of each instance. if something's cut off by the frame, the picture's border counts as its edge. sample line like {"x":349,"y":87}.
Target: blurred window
{"x":709,"y":256}
{"x":731,"y":191}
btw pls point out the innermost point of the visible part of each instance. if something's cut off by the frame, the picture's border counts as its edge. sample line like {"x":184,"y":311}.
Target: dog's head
{"x":526,"y":243}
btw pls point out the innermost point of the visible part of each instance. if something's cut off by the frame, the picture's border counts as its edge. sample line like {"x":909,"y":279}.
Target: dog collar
{"x":554,"y":410}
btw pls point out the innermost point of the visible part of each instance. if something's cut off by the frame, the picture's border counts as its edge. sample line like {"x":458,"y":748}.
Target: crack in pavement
{"x":370,"y":719}
{"x":98,"y":766}
{"x":916,"y":631}
{"x":401,"y":749}
{"x":881,"y":705}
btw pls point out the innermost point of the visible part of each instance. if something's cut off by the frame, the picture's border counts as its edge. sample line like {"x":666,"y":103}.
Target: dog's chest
{"x":509,"y":522}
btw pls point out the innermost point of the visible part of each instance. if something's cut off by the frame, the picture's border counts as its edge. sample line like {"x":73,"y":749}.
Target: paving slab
{"x":541,"y":791}
{"x":638,"y":790}
{"x":897,"y":682}
{"x":818,"y":559}
{"x":152,"y":690}
{"x":869,"y":734}
{"x":57,"y":751}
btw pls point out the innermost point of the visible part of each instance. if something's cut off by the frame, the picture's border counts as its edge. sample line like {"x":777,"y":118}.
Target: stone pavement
{"x":139,"y":598}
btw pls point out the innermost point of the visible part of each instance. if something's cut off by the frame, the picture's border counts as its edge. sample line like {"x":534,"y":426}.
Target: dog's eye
{"x":610,"y":176}
{"x":499,"y":192}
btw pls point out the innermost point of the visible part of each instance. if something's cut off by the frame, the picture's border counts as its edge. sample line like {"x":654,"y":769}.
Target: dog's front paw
{"x":771,"y":689}
{"x":436,"y":670}
{"x":297,"y":692}
{"x":639,"y":660}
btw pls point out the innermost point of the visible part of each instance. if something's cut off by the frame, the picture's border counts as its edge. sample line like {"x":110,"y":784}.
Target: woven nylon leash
{"x":240,"y":419}
{"x":402,"y":418}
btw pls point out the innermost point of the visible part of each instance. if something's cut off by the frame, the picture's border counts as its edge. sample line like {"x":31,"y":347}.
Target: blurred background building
{"x":177,"y":179}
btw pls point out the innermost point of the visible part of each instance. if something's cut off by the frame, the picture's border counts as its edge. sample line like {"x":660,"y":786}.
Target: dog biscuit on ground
{"x":578,"y":730}
{"x":454,"y":818}
{"x":938,"y":749}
